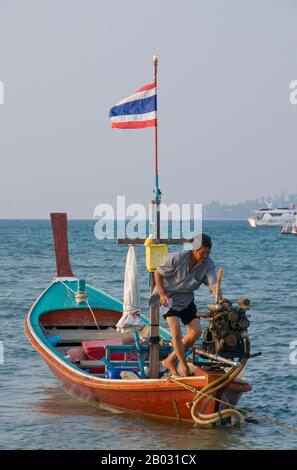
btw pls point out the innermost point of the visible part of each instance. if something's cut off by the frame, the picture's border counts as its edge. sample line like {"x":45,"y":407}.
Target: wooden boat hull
{"x":156,"y":398}
{"x":57,"y":312}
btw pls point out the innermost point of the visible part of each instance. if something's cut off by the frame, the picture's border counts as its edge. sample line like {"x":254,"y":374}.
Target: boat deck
{"x":77,"y":335}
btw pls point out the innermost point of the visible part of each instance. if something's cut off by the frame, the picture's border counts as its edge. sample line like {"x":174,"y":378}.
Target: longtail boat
{"x":58,"y":324}
{"x":72,"y":325}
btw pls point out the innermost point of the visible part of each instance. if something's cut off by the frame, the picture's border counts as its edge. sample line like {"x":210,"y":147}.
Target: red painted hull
{"x":156,"y":398}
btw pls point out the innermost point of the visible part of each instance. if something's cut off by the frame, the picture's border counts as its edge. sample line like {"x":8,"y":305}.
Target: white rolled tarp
{"x":131,"y":311}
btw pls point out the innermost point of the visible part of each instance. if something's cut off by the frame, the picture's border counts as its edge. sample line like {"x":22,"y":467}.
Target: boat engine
{"x":227,"y":332}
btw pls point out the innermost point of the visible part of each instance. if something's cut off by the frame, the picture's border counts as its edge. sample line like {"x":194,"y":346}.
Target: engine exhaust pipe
{"x":217,"y":358}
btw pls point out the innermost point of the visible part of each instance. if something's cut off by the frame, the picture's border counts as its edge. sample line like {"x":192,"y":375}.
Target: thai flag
{"x":136,"y":111}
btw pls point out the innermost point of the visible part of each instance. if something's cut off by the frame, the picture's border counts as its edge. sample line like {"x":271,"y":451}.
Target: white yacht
{"x":277,"y":217}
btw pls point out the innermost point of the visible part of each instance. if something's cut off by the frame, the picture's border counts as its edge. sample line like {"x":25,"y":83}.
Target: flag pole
{"x":154,"y":309}
{"x":157,"y":200}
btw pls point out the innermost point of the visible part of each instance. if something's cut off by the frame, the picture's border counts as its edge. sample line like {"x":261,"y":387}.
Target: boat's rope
{"x":67,"y":287}
{"x":95,"y":320}
{"x":197,"y":392}
{"x":85,"y":299}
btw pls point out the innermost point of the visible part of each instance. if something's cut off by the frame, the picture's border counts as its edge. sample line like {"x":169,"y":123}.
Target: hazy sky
{"x":227,"y":130}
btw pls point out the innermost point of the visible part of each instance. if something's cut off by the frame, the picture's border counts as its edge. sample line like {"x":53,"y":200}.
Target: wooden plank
{"x":73,"y":336}
{"x":85,"y":364}
{"x":140,"y":241}
{"x":79,"y":317}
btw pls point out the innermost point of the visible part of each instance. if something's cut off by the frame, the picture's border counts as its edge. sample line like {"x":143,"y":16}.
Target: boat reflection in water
{"x":289,"y":229}
{"x":94,"y":428}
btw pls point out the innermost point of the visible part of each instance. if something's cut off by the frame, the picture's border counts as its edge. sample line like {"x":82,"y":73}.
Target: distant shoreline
{"x":94,"y":220}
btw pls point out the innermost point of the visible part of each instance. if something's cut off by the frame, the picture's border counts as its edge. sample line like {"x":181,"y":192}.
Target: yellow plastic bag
{"x":155,"y":254}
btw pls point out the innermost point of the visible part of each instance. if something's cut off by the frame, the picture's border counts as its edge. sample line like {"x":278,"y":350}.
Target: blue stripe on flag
{"x":143,"y":106}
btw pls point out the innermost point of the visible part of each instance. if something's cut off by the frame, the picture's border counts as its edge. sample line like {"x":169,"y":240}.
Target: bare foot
{"x":171,"y":366}
{"x":183,"y":371}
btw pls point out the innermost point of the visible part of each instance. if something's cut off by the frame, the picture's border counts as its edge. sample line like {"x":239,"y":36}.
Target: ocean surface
{"x":36,"y":414}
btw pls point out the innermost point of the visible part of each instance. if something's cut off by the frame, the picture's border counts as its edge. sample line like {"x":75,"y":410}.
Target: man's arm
{"x":160,"y":287}
{"x":211,"y":280}
{"x":214,"y":292}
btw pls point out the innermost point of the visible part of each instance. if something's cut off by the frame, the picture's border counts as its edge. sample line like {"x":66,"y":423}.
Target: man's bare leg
{"x":194,"y":332}
{"x":178,"y":347}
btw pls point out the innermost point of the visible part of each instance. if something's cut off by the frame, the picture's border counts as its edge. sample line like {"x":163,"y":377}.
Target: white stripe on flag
{"x":138,"y":96}
{"x":134,"y":117}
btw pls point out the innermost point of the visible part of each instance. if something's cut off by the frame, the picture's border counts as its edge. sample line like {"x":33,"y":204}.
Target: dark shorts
{"x":186,"y":315}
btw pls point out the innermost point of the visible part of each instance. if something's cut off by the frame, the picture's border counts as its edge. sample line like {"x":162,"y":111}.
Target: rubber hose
{"x":210,"y":389}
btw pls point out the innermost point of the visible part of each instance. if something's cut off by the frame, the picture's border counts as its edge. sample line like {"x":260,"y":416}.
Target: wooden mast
{"x":157,"y":198}
{"x":59,"y":227}
{"x":154,"y":310}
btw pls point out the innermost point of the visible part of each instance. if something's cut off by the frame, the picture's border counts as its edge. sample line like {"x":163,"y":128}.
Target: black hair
{"x":205,"y":240}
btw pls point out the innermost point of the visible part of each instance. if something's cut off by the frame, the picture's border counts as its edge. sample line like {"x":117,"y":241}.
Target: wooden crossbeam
{"x":140,"y":241}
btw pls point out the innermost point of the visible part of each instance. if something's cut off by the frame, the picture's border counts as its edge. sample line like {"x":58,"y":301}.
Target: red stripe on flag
{"x":146,"y":87}
{"x":135,"y":125}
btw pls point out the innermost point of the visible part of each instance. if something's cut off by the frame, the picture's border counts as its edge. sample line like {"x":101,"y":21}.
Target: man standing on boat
{"x":176,"y":280}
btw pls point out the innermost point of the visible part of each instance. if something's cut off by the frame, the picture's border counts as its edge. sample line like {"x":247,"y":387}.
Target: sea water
{"x":35,"y":413}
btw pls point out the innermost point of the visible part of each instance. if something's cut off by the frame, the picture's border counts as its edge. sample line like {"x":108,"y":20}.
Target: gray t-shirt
{"x":179,"y":283}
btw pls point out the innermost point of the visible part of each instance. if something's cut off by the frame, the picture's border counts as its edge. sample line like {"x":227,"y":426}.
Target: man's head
{"x":201,"y":247}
